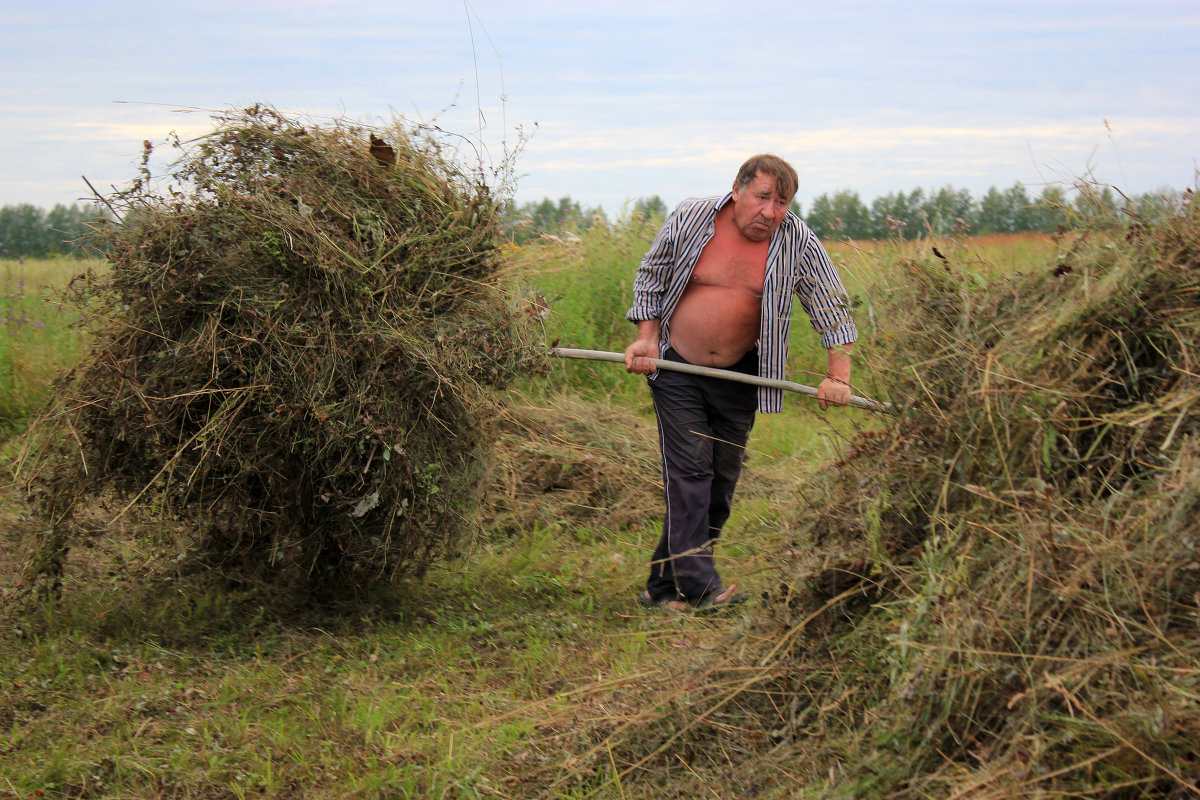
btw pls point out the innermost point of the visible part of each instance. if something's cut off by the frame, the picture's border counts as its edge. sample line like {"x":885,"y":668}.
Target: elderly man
{"x":716,"y":289}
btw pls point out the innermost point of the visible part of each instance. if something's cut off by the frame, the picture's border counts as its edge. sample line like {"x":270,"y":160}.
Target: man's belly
{"x":715,"y":326}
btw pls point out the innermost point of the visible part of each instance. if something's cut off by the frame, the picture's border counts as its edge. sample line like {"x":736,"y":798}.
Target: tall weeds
{"x":584,"y":283}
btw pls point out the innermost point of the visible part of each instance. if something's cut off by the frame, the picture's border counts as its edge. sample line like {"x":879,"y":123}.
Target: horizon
{"x":610,"y":103}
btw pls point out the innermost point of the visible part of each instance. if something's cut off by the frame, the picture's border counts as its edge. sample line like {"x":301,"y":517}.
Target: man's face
{"x":758,"y":209}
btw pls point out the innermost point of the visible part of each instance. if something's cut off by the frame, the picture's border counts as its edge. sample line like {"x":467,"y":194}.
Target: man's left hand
{"x":833,"y":392}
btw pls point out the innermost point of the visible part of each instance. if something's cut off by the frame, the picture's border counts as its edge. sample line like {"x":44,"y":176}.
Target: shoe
{"x":708,"y":602}
{"x":646,"y":601}
{"x":671,"y":604}
{"x":711,"y":601}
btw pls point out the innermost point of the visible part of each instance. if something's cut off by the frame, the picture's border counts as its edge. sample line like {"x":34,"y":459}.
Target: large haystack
{"x":295,"y":353}
{"x":1001,"y":594}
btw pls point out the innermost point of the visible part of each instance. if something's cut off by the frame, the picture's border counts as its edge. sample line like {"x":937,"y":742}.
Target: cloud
{"x":626,"y":162}
{"x":633,"y":98}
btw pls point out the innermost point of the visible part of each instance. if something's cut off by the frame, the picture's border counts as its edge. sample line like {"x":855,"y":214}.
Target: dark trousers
{"x":703,"y":425}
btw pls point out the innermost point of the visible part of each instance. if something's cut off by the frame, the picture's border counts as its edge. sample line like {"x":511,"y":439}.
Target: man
{"x":716,"y":289}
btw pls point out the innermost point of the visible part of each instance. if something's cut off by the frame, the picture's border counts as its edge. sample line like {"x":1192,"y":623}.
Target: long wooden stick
{"x":713,"y":372}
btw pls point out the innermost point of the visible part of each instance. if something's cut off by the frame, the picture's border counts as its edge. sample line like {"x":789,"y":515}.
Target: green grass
{"x":37,"y":336}
{"x":859,"y":262}
{"x":587,"y":288}
{"x":444,"y":689}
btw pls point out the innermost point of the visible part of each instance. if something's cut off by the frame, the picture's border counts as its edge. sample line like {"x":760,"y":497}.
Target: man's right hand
{"x":638,"y":355}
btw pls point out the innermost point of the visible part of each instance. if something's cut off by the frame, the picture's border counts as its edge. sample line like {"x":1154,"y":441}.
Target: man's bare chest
{"x":729,"y":265}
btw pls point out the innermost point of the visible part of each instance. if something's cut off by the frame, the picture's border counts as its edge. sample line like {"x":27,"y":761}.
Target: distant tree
{"x":1097,"y":205}
{"x":1024,"y":216}
{"x":996,"y":213}
{"x":1049,"y":212}
{"x":570,"y":215}
{"x":824,"y":223}
{"x":898,"y":215}
{"x":949,"y":210}
{"x":1153,"y":206}
{"x":27,"y":231}
{"x":821,"y":218}
{"x":544,"y":213}
{"x":529,"y":221}
{"x":648,"y":208}
{"x":67,"y":229}
{"x":22,"y":231}
{"x":908,"y":215}
{"x":842,"y":216}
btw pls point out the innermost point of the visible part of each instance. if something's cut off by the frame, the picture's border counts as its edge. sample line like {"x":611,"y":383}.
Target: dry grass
{"x":572,"y":463}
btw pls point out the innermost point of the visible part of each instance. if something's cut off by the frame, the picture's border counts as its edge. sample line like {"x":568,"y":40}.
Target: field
{"x":525,"y":669}
{"x":36,"y":335}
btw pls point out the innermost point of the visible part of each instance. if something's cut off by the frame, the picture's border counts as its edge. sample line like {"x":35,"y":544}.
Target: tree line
{"x":948,"y":210}
{"x":528,"y":221}
{"x":27,"y":231}
{"x":906,"y":215}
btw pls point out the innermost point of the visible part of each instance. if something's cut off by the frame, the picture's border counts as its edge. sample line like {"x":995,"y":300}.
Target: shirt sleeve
{"x":822,"y":294}
{"x":654,"y":274}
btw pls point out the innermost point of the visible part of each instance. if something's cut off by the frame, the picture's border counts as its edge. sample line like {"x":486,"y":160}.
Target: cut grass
{"x":457,"y":686}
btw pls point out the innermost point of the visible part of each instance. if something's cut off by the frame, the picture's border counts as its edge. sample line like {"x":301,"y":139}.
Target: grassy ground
{"x":37,"y":337}
{"x":489,"y":678}
{"x":522,"y":670}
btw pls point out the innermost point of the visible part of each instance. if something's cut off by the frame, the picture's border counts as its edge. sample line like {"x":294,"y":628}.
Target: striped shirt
{"x":797,"y":264}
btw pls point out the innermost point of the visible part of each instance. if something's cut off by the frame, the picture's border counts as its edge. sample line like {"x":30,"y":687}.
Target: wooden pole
{"x":713,"y":372}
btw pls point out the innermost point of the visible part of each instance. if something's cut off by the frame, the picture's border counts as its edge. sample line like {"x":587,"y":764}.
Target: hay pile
{"x":296,"y":352}
{"x":1001,"y":593}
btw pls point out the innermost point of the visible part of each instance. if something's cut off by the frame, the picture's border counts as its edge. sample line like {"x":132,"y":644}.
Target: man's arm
{"x":653,"y":278}
{"x":654,"y":275}
{"x":835,"y":389}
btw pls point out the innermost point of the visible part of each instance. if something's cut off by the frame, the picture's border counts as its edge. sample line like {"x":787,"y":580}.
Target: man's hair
{"x":786,"y":180}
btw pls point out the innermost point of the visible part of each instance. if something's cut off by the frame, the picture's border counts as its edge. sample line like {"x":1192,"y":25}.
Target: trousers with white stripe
{"x":703,"y":425}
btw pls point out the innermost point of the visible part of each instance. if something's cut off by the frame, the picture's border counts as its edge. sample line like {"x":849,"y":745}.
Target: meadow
{"x":37,"y":336}
{"x":525,"y":669}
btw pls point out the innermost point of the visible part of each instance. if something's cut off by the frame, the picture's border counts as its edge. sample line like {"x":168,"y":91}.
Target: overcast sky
{"x":628,"y":99}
